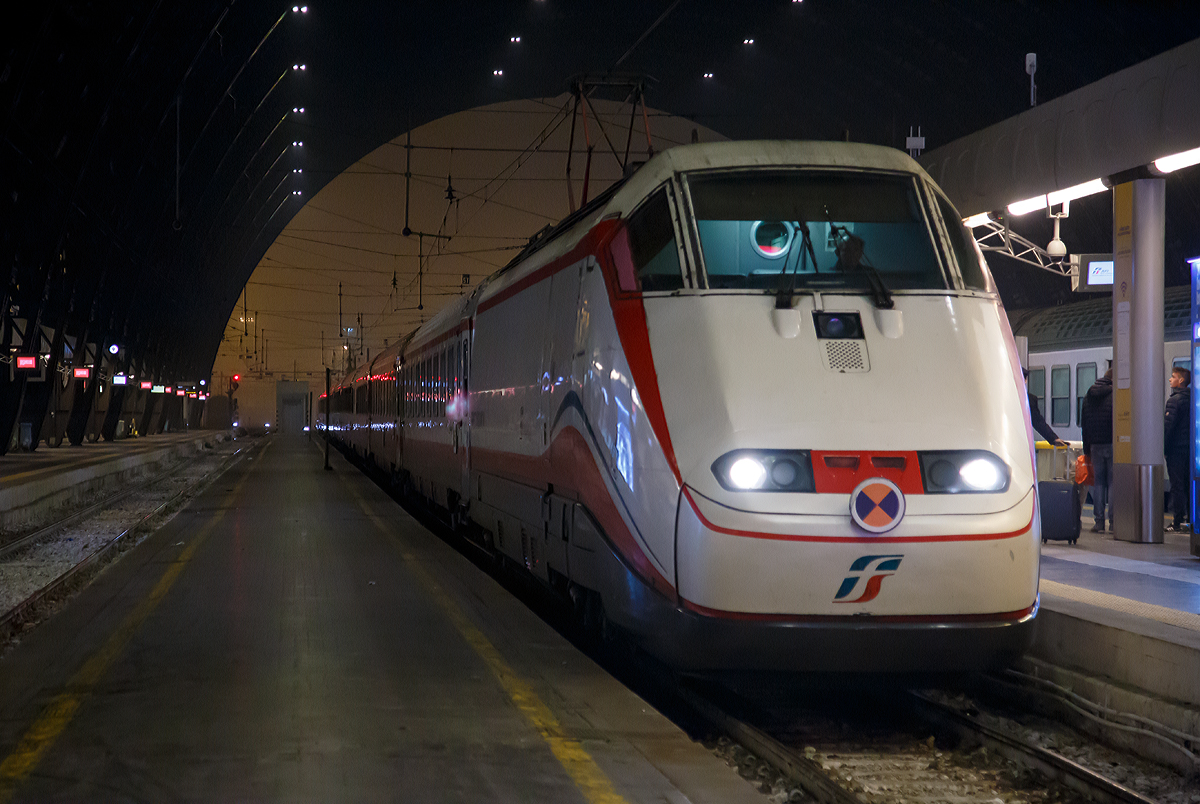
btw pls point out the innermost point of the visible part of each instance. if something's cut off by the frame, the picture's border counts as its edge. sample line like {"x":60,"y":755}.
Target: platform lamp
{"x":1193,"y":452}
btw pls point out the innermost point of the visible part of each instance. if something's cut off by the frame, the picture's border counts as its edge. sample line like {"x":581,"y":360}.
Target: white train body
{"x":676,"y":432}
{"x":1070,"y":345}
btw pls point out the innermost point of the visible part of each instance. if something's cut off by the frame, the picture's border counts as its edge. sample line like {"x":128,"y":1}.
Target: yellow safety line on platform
{"x":1149,"y":611}
{"x":58,"y":714}
{"x":569,"y":752}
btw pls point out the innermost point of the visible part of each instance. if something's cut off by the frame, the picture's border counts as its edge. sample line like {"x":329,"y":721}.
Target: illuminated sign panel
{"x":83,"y":373}
{"x":181,"y":392}
{"x":1095,"y":273}
{"x":147,"y":385}
{"x":157,"y":389}
{"x":29,"y":362}
{"x":120,"y":379}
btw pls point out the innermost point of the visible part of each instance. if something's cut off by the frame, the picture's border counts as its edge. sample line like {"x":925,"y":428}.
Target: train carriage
{"x":759,"y":404}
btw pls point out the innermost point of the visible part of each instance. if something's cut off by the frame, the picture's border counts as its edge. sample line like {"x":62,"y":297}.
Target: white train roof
{"x":758,"y":153}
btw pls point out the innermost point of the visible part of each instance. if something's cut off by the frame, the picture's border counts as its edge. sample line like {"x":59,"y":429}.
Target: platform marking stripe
{"x":1149,"y":611}
{"x":55,"y":718}
{"x":570,"y":753}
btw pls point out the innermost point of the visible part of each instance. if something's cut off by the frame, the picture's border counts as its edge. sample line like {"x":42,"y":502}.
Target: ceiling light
{"x":1177,"y":161}
{"x":977,"y":220}
{"x":497,"y":72}
{"x":708,"y":75}
{"x":514,"y":39}
{"x":299,"y":66}
{"x":747,"y":41}
{"x":1057,"y":197}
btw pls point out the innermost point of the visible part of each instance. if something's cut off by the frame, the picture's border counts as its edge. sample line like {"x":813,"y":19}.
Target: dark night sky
{"x":817,"y":69}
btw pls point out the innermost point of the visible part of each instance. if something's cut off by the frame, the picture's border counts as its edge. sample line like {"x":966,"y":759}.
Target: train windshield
{"x":816,"y":230}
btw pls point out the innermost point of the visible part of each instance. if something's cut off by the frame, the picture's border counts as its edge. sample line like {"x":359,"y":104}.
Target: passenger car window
{"x":1037,"y":386}
{"x":645,"y":251}
{"x":1085,"y":377}
{"x":1060,"y":395}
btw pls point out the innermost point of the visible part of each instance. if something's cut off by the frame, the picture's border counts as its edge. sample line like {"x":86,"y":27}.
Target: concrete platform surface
{"x":293,"y":635}
{"x":1126,"y":612}
{"x":35,"y":486}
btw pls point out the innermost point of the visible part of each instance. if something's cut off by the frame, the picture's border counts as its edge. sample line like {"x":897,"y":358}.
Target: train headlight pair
{"x":765,"y":470}
{"x":963,"y":472}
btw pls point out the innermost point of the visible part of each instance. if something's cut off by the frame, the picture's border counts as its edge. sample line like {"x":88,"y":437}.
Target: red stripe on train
{"x":797,"y":537}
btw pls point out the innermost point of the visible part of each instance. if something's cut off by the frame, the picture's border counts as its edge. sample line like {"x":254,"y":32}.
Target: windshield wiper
{"x":786,"y":292}
{"x":850,"y":249}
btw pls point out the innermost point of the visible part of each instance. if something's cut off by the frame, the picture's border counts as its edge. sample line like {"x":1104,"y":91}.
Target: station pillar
{"x":1194,"y":452}
{"x":1139,"y":230}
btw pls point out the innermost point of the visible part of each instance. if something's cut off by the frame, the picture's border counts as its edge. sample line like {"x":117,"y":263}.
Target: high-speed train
{"x":758,"y":406}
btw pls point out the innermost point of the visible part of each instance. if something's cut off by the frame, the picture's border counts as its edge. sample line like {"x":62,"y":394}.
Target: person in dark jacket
{"x":1097,"y":422}
{"x":1176,"y":438}
{"x":1039,"y":421}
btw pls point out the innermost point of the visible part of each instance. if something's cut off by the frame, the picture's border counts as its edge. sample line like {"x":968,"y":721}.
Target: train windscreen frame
{"x":751,"y":224}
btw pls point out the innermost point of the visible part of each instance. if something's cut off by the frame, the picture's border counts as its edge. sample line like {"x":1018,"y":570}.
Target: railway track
{"x":877,"y":759}
{"x":27,"y":610}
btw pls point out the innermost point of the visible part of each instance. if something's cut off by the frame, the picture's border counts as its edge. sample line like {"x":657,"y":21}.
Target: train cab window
{"x":645,"y":252}
{"x":962,"y":246}
{"x":1060,"y":396}
{"x":761,"y":228}
{"x":1037,"y":387}
{"x":1085,"y":377}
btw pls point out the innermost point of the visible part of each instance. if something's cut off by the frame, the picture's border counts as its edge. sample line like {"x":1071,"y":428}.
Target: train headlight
{"x":765,"y":470}
{"x":747,"y":473}
{"x":963,"y":471}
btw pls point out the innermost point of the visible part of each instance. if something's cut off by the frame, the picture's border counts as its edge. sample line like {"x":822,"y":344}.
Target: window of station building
{"x":1037,"y":387}
{"x":645,"y":252}
{"x":1182,"y":362}
{"x":1060,"y":396}
{"x":1085,"y":377}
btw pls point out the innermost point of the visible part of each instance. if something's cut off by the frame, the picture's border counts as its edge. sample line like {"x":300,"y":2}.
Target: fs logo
{"x":874,"y":569}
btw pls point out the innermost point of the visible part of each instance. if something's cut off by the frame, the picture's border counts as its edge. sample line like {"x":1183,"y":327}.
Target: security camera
{"x":1057,"y":249}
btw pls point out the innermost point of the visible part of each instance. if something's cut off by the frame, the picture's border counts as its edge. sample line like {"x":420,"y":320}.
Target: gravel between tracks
{"x":30,"y":569}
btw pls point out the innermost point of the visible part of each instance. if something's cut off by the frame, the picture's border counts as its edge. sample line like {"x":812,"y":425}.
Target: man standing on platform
{"x":1175,"y":444}
{"x":1097,"y":416}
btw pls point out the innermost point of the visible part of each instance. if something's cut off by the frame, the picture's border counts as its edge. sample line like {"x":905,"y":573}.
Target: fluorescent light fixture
{"x":1057,"y":197}
{"x":1177,"y":161}
{"x":1078,"y":191}
{"x":977,"y":220}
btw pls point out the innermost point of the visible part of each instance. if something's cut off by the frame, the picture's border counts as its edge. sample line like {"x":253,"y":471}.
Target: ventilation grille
{"x":846,"y":356}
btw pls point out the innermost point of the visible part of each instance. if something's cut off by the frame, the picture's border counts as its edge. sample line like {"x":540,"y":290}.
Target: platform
{"x":1120,"y":624}
{"x":293,"y":635}
{"x":36,"y":485}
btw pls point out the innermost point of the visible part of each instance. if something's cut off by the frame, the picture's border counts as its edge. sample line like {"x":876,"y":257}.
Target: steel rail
{"x":1055,"y":766}
{"x":12,"y":619}
{"x":827,"y":789}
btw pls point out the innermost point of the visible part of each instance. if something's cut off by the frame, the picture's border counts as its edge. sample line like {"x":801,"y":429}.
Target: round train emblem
{"x":877,"y":505}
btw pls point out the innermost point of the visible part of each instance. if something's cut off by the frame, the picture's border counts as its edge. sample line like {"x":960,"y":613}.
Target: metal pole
{"x":1139,"y":215}
{"x":327,"y":466}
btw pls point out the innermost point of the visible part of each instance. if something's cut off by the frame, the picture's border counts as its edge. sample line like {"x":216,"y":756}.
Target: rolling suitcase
{"x":1061,"y":503}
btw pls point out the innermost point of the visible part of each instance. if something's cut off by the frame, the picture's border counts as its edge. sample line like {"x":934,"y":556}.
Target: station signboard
{"x":147,"y":385}
{"x":83,"y":373}
{"x":1094,"y":273}
{"x":27,"y":361}
{"x":157,"y":389}
{"x":120,"y":379}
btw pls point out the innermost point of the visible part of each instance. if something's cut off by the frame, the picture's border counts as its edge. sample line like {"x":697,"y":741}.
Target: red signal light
{"x":237,"y":377}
